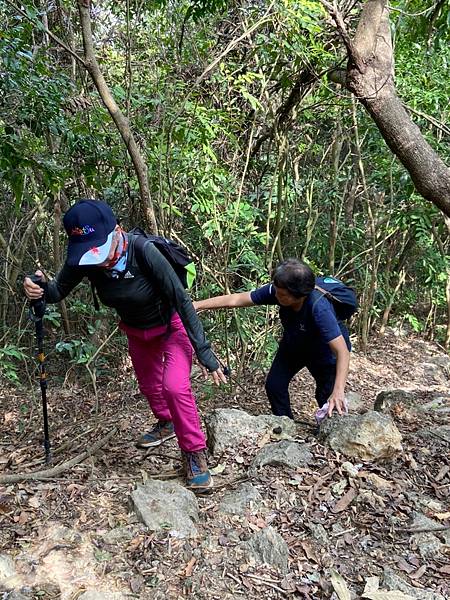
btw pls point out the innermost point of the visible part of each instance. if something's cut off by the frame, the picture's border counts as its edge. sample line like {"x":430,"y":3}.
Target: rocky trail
{"x":360,"y":510}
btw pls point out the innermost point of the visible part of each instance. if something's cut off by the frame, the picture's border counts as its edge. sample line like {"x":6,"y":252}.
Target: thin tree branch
{"x":54,"y":37}
{"x":352,"y":50}
{"x":441,"y":126}
{"x":56,"y":471}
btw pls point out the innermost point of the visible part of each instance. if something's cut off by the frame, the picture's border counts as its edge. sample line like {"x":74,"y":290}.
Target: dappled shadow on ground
{"x":58,"y":531}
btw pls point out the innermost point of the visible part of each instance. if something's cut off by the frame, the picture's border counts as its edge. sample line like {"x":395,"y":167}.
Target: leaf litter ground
{"x":77,"y":531}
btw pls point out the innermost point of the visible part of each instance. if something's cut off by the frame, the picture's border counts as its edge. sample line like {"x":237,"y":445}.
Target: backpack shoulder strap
{"x":314,"y":298}
{"x":327,"y":294}
{"x":139,"y":243}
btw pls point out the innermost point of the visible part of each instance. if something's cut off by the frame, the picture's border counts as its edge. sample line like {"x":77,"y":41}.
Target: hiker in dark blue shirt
{"x":313,"y":337}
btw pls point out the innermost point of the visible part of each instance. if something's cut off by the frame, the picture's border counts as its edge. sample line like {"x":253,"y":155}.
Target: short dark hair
{"x":294,"y":276}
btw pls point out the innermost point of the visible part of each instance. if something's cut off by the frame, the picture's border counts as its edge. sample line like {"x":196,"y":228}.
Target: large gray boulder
{"x":166,"y":506}
{"x":283,"y":454}
{"x":229,"y":427}
{"x":387,"y":399}
{"x":440,"y":405}
{"x":369,"y":436}
{"x":421,"y":521}
{"x":441,"y":433}
{"x":239,"y":501}
{"x":392,"y":581}
{"x":437,"y":368}
{"x":355,"y":403}
{"x":7,"y":568}
{"x":267,"y":547}
{"x":9,"y":579}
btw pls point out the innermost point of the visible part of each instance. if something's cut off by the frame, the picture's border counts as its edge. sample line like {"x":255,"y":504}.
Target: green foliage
{"x":80,"y":351}
{"x":197,"y":9}
{"x":9,"y":366}
{"x":236,"y":157}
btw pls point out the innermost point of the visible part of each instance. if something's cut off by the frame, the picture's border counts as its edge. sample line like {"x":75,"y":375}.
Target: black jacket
{"x":142,"y":300}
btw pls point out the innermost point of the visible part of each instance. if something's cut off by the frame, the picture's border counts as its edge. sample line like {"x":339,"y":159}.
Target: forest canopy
{"x":250,"y":132}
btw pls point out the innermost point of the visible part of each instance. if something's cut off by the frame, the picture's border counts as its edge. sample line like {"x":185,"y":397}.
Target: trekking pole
{"x":36,"y":314}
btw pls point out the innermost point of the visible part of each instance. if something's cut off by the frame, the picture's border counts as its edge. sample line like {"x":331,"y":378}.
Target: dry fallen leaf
{"x":372,"y":584}
{"x":136,"y":583}
{"x":403,"y":565}
{"x":34,"y":502}
{"x":384,"y":595}
{"x":218,"y":469}
{"x":339,"y":586}
{"x":135,"y":543}
{"x":442,"y":516}
{"x":348,"y":538}
{"x":83,"y":517}
{"x":22,"y":518}
{"x":309,"y":551}
{"x":343,"y":502}
{"x":442,"y":473}
{"x":7,"y":417}
{"x":189,"y":567}
{"x":445,"y":570}
{"x":418,"y":574}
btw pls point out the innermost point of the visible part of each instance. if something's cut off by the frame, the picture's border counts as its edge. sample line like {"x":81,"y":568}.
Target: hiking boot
{"x":198,"y":478}
{"x":162,"y":431}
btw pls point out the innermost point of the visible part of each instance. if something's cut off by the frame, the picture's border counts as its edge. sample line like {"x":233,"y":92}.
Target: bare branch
{"x":45,"y":29}
{"x":56,"y":471}
{"x":352,"y":50}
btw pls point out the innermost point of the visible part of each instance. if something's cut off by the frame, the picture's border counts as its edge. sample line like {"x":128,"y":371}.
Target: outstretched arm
{"x":228,"y":301}
{"x":340,"y":350}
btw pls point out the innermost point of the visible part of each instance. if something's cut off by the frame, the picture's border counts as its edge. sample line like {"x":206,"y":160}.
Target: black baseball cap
{"x":90,"y":226}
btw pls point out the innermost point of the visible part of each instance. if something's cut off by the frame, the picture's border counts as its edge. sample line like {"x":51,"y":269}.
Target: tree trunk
{"x":370,"y":76}
{"x":447,"y":295}
{"x":118,"y":117}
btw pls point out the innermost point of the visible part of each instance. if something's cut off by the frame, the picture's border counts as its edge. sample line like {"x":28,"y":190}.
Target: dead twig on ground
{"x":48,"y":473}
{"x":267,"y":583}
{"x":424,"y":529}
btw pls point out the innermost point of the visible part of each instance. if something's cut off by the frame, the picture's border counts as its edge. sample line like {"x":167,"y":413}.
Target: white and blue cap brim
{"x":98,"y":254}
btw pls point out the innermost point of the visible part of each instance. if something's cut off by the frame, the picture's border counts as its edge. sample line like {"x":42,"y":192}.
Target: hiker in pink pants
{"x":163,"y":366}
{"x":129,"y":274}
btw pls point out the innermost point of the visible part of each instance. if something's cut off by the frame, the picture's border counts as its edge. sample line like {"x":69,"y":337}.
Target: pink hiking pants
{"x":162,"y":363}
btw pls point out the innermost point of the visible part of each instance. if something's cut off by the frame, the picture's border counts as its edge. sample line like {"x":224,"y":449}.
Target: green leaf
{"x":191,"y":274}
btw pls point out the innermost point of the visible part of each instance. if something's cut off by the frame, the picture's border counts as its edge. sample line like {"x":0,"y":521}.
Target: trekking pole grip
{"x":37,"y":307}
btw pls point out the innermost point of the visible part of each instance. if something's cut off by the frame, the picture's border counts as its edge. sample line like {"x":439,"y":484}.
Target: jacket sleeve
{"x":171,"y":287}
{"x":65,"y":281}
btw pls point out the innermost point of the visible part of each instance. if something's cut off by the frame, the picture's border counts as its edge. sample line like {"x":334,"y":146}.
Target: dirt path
{"x":77,"y":532}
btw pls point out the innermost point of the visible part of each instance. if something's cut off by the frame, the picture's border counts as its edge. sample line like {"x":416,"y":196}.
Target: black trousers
{"x":286,"y":364}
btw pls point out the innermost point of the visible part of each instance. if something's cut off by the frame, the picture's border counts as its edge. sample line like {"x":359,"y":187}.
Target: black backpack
{"x":175,"y":254}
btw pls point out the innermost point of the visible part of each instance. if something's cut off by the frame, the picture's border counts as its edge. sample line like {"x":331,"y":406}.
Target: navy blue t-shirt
{"x":308,"y":330}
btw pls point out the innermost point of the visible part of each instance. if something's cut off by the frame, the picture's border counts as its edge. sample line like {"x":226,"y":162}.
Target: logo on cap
{"x":85,"y":230}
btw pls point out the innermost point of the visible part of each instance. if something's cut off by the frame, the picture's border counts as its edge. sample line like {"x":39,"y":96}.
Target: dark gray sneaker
{"x":162,"y":431}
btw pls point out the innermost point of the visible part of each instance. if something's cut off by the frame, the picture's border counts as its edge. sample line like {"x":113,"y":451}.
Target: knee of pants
{"x":151,"y":392}
{"x":274,"y":388}
{"x":175,"y":388}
